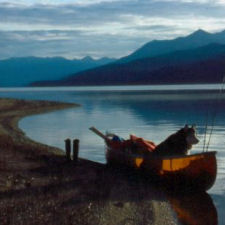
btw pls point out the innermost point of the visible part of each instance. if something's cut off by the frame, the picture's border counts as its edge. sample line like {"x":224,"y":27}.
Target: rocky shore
{"x":38,"y":186}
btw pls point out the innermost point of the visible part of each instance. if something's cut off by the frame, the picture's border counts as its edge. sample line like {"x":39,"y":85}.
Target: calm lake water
{"x":151,"y":112}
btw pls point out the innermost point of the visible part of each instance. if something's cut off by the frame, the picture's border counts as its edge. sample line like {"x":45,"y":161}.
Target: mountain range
{"x":23,"y":71}
{"x":200,"y":65}
{"x":159,"y":47}
{"x":196,"y":58}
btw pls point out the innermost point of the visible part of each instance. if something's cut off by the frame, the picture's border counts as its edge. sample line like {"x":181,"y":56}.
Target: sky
{"x":99,"y":28}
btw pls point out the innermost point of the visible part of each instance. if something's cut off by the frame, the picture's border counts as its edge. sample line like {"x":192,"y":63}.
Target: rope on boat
{"x":215,"y":113}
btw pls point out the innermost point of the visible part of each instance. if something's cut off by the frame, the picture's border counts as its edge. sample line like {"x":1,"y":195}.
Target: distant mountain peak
{"x":199,"y":33}
{"x":87,"y":58}
{"x":154,"y":48}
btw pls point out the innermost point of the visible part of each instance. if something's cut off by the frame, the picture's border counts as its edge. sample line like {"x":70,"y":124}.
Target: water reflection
{"x":194,"y":209}
{"x":126,"y":194}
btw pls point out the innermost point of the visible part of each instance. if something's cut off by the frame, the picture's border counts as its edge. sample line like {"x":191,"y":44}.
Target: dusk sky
{"x":112,"y":28}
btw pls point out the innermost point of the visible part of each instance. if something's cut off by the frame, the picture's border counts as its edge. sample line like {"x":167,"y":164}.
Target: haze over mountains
{"x":16,"y":72}
{"x":196,"y":58}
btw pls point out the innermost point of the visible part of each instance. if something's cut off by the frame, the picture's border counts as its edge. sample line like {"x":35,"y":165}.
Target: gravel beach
{"x":39,"y":186}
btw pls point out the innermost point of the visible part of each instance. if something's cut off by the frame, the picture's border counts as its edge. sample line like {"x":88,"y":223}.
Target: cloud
{"x":70,"y":44}
{"x":57,"y":2}
{"x":99,"y":27}
{"x":106,"y":12}
{"x":208,"y":2}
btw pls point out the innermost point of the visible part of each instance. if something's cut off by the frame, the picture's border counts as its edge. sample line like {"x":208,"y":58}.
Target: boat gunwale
{"x":182,"y":156}
{"x":155,"y":157}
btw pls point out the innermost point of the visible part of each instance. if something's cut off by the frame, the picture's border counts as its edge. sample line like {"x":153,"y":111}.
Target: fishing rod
{"x":206,"y":128}
{"x":215,"y":113}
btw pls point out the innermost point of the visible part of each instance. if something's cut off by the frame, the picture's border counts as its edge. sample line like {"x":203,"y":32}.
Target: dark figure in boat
{"x":178,"y":143}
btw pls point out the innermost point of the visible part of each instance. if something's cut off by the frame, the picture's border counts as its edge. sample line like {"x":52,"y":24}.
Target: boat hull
{"x":195,"y":172}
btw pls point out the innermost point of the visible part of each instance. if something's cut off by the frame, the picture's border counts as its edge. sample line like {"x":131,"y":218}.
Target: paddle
{"x":99,"y":133}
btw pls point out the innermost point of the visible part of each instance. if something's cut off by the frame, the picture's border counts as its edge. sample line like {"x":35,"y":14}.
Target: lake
{"x":151,"y":112}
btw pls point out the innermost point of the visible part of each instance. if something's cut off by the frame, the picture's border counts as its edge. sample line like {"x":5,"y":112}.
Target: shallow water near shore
{"x":152,"y":112}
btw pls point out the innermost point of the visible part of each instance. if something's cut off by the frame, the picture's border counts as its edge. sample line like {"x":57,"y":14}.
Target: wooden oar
{"x":99,"y":133}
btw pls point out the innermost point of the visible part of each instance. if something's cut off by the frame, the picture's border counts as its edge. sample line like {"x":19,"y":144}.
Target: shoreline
{"x":38,"y":185}
{"x":12,"y":110}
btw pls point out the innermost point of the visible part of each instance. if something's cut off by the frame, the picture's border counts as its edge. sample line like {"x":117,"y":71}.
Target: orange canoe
{"x":195,"y":172}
